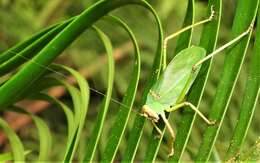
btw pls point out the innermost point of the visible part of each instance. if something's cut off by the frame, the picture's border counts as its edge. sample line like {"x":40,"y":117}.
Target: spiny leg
{"x":187,"y":28}
{"x":181,"y":105}
{"x":250,"y":28}
{"x":171,"y":141}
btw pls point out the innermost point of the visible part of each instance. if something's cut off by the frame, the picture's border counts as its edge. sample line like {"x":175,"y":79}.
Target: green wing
{"x":177,"y":77}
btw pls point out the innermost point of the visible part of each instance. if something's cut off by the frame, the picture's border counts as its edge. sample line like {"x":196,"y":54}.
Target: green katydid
{"x":168,"y":93}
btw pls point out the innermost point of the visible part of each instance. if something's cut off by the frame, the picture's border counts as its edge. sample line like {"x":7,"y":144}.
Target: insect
{"x":168,"y":93}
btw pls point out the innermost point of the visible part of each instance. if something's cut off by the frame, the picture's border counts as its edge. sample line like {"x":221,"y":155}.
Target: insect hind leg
{"x":223,"y":47}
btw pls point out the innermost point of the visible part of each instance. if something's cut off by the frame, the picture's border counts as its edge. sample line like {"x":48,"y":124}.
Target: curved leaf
{"x":76,"y":100}
{"x":249,"y":100}
{"x":43,"y":132}
{"x":36,"y":67}
{"x":14,"y":57}
{"x":68,"y":113}
{"x":4,"y":56}
{"x":84,"y":92}
{"x":208,"y":41}
{"x":40,"y":85}
{"x":136,"y":132}
{"x":45,"y":138}
{"x":183,"y":42}
{"x":93,"y":141}
{"x":232,"y":65}
{"x":15,"y":142}
{"x":4,"y":157}
{"x":122,"y":116}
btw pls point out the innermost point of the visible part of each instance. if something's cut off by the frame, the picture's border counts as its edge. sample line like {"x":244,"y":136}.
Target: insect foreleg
{"x":181,"y":105}
{"x":171,"y":141}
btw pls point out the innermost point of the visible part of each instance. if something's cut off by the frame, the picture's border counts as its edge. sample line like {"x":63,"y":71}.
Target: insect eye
{"x":171,"y":106}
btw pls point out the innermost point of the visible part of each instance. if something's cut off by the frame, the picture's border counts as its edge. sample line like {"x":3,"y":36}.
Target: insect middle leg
{"x":210,"y":18}
{"x":181,"y":105}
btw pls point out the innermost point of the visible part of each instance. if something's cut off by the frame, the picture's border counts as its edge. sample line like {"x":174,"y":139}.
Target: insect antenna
{"x":64,"y":76}
{"x":114,"y":100}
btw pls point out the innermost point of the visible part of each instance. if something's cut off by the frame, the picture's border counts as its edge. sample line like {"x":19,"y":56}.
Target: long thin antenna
{"x":64,"y":76}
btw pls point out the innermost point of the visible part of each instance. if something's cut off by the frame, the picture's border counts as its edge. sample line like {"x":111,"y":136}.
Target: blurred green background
{"x":22,"y":18}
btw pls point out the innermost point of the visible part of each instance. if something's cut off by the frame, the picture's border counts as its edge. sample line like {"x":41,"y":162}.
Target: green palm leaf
{"x":232,"y":65}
